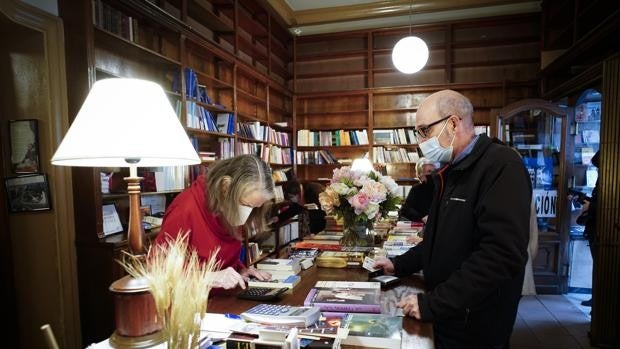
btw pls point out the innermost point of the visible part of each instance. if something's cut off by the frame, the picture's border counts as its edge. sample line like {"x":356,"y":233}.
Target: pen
{"x":232,"y":316}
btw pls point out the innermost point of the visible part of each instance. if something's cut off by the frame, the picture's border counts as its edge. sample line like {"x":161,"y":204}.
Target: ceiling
{"x":308,"y":17}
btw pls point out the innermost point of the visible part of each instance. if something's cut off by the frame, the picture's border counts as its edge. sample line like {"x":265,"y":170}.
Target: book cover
{"x":338,"y":259}
{"x":328,"y":326}
{"x":345,"y":296}
{"x":373,"y":330}
{"x":278,"y":280}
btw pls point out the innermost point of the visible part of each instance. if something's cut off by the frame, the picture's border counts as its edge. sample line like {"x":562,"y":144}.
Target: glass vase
{"x":357,"y":234}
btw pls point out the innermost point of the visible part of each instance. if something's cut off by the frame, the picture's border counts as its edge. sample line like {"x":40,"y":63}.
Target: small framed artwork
{"x":111,"y":220}
{"x":24,"y":140}
{"x":28,"y":193}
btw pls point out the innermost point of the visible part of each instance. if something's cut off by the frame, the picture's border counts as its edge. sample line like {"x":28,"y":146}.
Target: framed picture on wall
{"x":28,"y":193}
{"x":24,"y":140}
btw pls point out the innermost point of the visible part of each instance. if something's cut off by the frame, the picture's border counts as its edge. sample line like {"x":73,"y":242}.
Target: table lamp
{"x":127,"y":123}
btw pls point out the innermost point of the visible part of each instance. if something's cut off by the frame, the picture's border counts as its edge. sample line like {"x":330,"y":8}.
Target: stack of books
{"x":339,"y":259}
{"x":280,"y":265}
{"x":345,"y":296}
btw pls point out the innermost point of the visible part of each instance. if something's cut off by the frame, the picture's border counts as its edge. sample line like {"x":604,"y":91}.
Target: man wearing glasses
{"x":474,"y":249}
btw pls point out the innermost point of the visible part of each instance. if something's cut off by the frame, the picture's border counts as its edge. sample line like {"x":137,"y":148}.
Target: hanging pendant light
{"x":410,"y":53}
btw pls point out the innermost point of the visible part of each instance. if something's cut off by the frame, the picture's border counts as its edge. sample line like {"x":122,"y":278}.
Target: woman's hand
{"x":259,"y":274}
{"x":385,"y":264}
{"x":228,"y":278}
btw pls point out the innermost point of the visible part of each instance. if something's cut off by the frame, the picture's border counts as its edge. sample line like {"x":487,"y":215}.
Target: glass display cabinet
{"x":583,"y":143}
{"x":537,"y":130}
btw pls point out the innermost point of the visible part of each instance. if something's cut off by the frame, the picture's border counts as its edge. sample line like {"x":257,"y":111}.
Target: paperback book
{"x":373,"y":330}
{"x":345,"y":296}
{"x":278,"y":280}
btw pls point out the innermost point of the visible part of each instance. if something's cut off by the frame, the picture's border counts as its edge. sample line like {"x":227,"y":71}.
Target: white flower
{"x":390,"y":184}
{"x":340,"y":188}
{"x":375,"y":190}
{"x":371,"y":210}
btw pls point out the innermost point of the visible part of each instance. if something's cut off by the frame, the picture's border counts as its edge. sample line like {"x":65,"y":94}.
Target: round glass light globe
{"x":410,"y":54}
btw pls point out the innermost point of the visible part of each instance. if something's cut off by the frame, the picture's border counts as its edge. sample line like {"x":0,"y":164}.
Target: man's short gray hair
{"x":455,"y":104}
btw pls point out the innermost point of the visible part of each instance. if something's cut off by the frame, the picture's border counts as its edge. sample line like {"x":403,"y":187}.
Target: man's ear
{"x":454,"y":123}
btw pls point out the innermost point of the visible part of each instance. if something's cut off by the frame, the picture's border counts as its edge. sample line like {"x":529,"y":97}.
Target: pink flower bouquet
{"x":359,"y":198}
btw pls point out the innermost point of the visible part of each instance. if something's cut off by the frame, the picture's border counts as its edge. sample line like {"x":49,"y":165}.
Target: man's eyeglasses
{"x":424,"y":131}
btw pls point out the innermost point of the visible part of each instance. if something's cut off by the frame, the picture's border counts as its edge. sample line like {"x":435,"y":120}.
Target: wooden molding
{"x":284,"y":10}
{"x":377,"y":9}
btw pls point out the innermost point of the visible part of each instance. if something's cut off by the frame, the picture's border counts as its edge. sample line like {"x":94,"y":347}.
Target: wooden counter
{"x":415,"y":335}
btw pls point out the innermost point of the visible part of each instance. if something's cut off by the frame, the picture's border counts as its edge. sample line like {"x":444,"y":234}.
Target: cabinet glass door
{"x":585,"y":138}
{"x":537,"y":131}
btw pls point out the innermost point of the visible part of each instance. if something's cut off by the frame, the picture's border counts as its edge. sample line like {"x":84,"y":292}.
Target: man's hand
{"x":410,"y":307}
{"x":228,"y":278}
{"x":385,"y":264}
{"x":586,"y":206}
{"x":259,"y":274}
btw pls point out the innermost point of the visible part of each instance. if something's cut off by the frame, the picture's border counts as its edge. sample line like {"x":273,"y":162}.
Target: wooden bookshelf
{"x":240,"y":58}
{"x":346,"y":81}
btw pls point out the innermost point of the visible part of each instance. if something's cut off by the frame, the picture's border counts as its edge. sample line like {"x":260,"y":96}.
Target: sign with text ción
{"x":546,"y":202}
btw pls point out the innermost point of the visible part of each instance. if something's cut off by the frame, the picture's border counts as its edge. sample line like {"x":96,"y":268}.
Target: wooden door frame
{"x":60,"y":180}
{"x":504,"y":115}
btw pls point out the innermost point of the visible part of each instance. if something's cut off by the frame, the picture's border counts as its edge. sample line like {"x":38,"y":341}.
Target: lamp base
{"x":137,"y":323}
{"x":149,"y":340}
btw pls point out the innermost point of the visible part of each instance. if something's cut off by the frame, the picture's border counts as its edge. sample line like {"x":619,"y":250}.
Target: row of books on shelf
{"x":254,"y":130}
{"x":394,"y":136}
{"x":193,"y":89}
{"x":114,"y":21}
{"x":278,"y":193}
{"x":201,"y":118}
{"x":226,"y":149}
{"x":269,"y":153}
{"x":318,"y":157}
{"x":288,"y":233}
{"x":164,"y":178}
{"x":281,"y":175}
{"x":307,"y":138}
{"x":399,"y":155}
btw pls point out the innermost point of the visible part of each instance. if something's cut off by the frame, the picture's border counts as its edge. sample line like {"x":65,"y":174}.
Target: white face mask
{"x":432,"y":149}
{"x":244,"y":213}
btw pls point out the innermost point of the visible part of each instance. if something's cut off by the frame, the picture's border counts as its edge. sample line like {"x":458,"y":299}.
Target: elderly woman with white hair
{"x":409,"y":210}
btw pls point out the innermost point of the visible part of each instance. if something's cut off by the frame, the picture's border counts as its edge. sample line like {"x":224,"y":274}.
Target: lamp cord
{"x":410,"y":15}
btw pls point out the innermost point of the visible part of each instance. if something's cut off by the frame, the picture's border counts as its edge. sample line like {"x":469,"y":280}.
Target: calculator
{"x":282,"y":314}
{"x":262,"y":293}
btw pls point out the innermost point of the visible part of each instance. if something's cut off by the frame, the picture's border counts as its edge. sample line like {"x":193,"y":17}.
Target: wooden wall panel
{"x":606,"y":280}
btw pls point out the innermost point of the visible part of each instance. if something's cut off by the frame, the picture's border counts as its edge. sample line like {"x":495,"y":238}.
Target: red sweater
{"x":189,"y":211}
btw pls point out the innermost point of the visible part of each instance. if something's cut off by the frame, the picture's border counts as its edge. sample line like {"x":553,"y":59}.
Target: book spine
{"x":349,"y":308}
{"x":310,"y":297}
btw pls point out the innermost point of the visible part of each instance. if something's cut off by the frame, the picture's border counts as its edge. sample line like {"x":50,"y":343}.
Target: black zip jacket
{"x":474,"y":248}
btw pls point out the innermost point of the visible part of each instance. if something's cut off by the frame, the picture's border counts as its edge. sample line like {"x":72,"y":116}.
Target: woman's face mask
{"x":432,"y":149}
{"x":244,"y":213}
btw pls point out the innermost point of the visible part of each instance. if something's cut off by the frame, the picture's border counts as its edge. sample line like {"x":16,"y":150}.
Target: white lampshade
{"x":126,"y":122}
{"x":361,"y":165}
{"x":410,"y":54}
